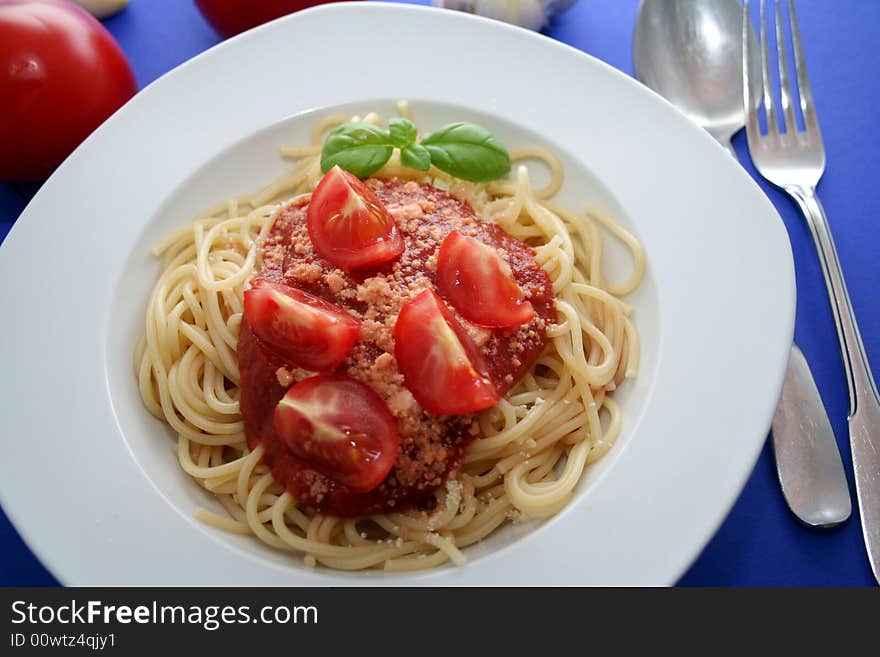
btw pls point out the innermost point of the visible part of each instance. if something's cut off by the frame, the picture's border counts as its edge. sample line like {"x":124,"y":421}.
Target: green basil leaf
{"x":360,"y":148}
{"x":415,"y":156}
{"x":402,"y":132}
{"x":468,"y":151}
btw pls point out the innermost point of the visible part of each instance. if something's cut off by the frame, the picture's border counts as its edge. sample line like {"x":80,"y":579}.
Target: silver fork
{"x":794,"y":160}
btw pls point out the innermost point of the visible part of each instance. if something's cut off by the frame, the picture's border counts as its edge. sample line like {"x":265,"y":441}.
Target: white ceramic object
{"x":90,"y":478}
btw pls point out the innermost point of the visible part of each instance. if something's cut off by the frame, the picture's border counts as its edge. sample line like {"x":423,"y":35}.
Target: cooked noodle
{"x":534,"y":444}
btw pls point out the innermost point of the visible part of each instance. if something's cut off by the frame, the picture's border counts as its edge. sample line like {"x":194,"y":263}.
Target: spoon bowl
{"x":690,"y":52}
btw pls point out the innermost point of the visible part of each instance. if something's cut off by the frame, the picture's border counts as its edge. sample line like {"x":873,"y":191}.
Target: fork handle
{"x":864,"y":409}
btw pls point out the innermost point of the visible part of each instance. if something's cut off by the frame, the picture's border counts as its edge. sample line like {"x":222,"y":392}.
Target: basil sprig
{"x":463,"y":150}
{"x":361,"y":148}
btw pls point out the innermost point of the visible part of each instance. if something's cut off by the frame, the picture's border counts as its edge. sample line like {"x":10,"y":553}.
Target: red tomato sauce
{"x":431,"y":446}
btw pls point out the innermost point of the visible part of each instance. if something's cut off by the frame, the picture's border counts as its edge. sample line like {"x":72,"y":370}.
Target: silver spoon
{"x":690,"y":52}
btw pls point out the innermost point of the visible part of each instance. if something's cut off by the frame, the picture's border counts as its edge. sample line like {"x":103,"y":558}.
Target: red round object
{"x":229,"y":17}
{"x":61,"y":75}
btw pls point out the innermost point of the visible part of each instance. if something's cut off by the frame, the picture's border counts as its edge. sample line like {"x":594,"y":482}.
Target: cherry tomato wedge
{"x":348,"y":225}
{"x":440,"y":364}
{"x":479,"y":284}
{"x":341,"y":427}
{"x":306,"y":330}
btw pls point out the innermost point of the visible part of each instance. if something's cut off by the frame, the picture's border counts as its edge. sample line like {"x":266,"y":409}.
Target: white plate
{"x":89,"y":478}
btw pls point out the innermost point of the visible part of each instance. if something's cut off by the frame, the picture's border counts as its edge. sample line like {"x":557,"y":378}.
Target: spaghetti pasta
{"x":533,"y":445}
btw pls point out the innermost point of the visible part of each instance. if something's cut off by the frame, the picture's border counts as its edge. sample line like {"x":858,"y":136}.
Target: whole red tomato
{"x":230,"y":17}
{"x":61,"y":76}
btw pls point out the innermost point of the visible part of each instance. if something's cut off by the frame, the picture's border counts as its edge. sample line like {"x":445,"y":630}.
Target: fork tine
{"x":800,"y":63}
{"x":765,"y":69}
{"x":753,"y":130}
{"x":788,"y":123}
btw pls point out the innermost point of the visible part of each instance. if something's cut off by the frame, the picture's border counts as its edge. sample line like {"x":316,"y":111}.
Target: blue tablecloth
{"x":760,"y":543}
